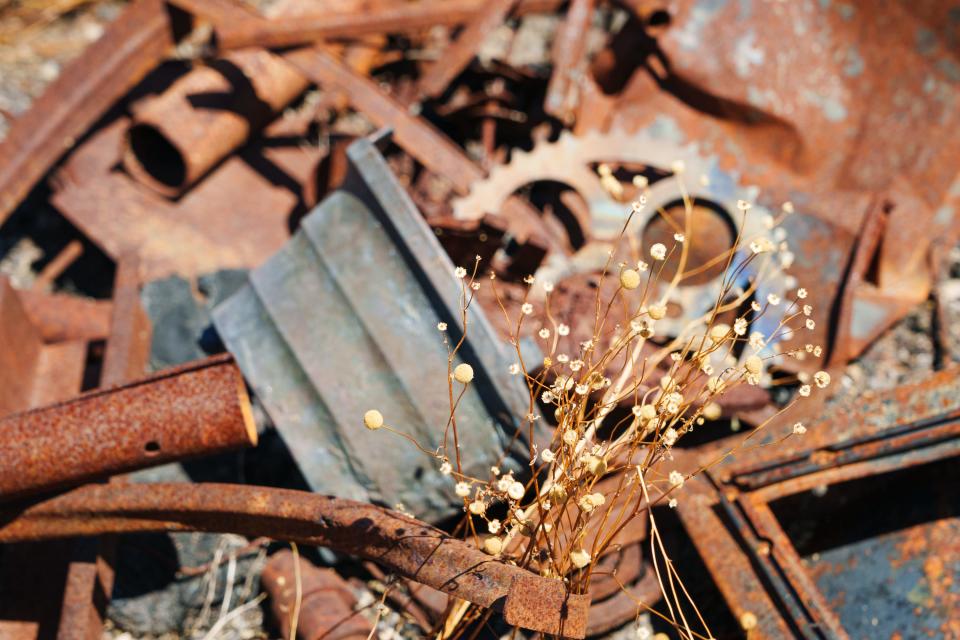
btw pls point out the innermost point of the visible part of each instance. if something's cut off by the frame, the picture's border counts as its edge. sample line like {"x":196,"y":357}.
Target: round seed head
{"x":629,"y":279}
{"x":463,"y":373}
{"x":373,"y":419}
{"x":493,"y":545}
{"x":753,"y":365}
{"x":580,"y":558}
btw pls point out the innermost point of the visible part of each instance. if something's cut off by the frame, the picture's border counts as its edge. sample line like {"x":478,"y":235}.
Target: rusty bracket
{"x":33,"y":372}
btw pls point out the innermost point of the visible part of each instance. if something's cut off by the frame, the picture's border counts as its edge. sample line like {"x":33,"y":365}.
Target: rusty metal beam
{"x":420,"y":139}
{"x":236,"y":28}
{"x":131,"y":46}
{"x":195,"y":409}
{"x":128,"y":349}
{"x":439,"y":74}
{"x":59,"y":317}
{"x":395,"y":541}
{"x":89,"y":581}
{"x":569,"y":47}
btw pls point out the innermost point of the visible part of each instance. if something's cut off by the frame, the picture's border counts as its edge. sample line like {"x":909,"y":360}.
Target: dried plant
{"x":615,"y":404}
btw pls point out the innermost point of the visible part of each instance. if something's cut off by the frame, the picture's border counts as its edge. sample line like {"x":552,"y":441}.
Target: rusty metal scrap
{"x":395,"y":541}
{"x":235,"y":28}
{"x":178,"y":136}
{"x":828,"y":149}
{"x":736,"y":520}
{"x":196,"y":409}
{"x":847,"y":111}
{"x":60,"y":317}
{"x":424,"y":142}
{"x":569,"y":47}
{"x":326,"y":607}
{"x":438,"y":75}
{"x":90,"y":576}
{"x":128,"y":348}
{"x":235,"y":218}
{"x":33,"y":372}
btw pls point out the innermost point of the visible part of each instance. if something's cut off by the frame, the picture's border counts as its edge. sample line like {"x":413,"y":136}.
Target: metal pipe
{"x":326,"y":602}
{"x":196,"y":409}
{"x":179,"y":136}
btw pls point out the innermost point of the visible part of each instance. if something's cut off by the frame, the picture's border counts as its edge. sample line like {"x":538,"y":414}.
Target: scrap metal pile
{"x":306,"y":178}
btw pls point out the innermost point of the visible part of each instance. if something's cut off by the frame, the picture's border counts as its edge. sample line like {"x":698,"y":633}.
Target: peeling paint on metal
{"x":846,"y":11}
{"x":867,"y":316}
{"x":747,"y":55}
{"x":854,"y":63}
{"x":833,"y":109}
{"x":950,"y":69}
{"x":667,"y":128}
{"x":701,"y":15}
{"x":944,"y":215}
{"x":926,"y":41}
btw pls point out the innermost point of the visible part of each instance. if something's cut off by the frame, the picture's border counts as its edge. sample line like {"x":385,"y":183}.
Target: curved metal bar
{"x":397,"y":542}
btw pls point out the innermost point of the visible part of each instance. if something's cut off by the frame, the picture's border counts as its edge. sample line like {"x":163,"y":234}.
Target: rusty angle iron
{"x":343,"y":320}
{"x":793,"y":540}
{"x":90,"y":576}
{"x":395,"y":541}
{"x":33,"y":372}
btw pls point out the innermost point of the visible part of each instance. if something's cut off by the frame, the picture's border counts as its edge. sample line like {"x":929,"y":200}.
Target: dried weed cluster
{"x":605,"y":413}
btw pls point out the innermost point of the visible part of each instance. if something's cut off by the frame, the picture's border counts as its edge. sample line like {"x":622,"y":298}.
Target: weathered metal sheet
{"x":839,"y":108}
{"x":343,"y":320}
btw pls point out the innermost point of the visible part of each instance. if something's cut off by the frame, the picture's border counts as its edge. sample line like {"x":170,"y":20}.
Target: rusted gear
{"x":572,"y":160}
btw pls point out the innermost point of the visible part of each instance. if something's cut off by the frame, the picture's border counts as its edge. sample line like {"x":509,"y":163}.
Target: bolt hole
{"x":659,"y":18}
{"x":152,"y":448}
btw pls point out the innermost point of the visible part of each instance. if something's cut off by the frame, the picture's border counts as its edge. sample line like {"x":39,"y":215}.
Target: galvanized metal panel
{"x":343,"y":319}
